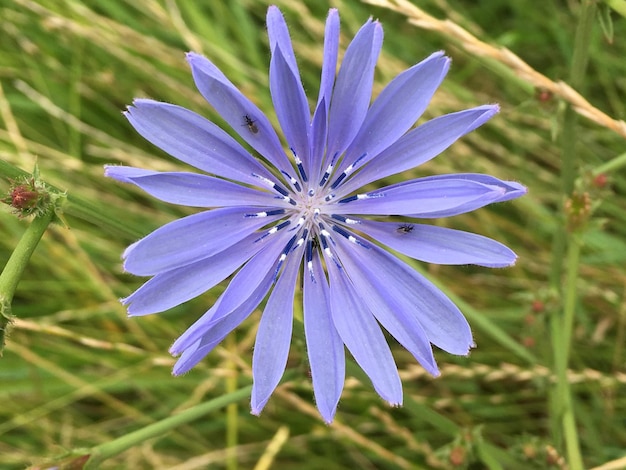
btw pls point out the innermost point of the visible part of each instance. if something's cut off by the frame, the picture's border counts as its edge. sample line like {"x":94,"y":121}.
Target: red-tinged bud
{"x":538,"y":306}
{"x":600,"y":181}
{"x":543,"y":95}
{"x":457,"y":456}
{"x":23,"y":198}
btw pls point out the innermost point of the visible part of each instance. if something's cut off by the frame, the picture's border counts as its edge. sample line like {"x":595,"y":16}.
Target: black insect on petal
{"x":404,"y":229}
{"x":251,"y":124}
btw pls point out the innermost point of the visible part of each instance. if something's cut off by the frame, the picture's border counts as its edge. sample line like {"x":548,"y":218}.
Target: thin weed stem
{"x":566,"y":245}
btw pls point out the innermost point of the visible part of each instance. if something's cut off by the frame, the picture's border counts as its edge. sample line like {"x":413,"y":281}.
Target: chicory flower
{"x":275,"y":220}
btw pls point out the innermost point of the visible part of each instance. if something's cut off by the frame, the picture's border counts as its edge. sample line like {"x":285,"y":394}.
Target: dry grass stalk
{"x":476,"y":47}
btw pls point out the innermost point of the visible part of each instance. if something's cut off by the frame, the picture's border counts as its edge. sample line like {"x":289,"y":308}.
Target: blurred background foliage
{"x":77,"y":373}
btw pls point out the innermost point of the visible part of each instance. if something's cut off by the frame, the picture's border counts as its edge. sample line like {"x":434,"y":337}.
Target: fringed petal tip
{"x":256,"y":410}
{"x":127,"y":252}
{"x":431,"y":367}
{"x":176,"y":373}
{"x":175,"y":350}
{"x":127,"y":302}
{"x":471,"y":346}
{"x":328,"y":415}
{"x":191,"y":55}
{"x":112,"y":171}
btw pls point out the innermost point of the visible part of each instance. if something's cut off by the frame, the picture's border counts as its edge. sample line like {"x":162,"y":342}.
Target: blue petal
{"x":319,"y":135}
{"x":278,"y":35}
{"x":362,"y":336}
{"x":273,"y":337}
{"x":439,"y":245}
{"x":258,"y":273}
{"x":329,"y":62}
{"x":209,"y":334}
{"x":248,"y":277}
{"x":397,"y":108}
{"x":290,"y":103}
{"x":444,"y":324}
{"x":194,"y":140}
{"x":353,"y":88}
{"x":192,"y":238}
{"x":420,"y":145}
{"x":236,"y":109}
{"x":402,"y":325}
{"x":325,"y":348}
{"x":423,"y":197}
{"x":319,"y":124}
{"x":171,"y":288}
{"x":192,"y":189}
{"x":508,"y":190}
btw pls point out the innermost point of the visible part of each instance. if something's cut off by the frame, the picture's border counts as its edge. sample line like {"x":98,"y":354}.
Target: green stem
{"x":12,"y":272}
{"x":568,"y":421}
{"x":566,"y":245}
{"x":610,"y":166}
{"x":110,"y":449}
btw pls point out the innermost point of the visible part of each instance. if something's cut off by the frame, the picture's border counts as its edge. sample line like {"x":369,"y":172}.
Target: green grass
{"x":77,"y":374}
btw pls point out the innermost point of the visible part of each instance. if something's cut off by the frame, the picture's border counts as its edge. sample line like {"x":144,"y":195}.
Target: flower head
{"x":302,"y":217}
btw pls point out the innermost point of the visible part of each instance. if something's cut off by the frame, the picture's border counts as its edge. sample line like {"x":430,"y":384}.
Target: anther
{"x":302,"y":239}
{"x":269,"y":183}
{"x":359,"y":197}
{"x":347,"y":172}
{"x":351,"y":238}
{"x":292,"y":180}
{"x":328,"y":171}
{"x":345,"y":220}
{"x":283,"y":255}
{"x":309,"y":259}
{"x":273,"y":230}
{"x":299,"y":165}
{"x":266,"y":213}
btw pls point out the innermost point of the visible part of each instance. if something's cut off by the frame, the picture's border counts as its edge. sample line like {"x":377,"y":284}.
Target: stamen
{"x":292,"y":180}
{"x":309,"y":259}
{"x":273,"y":230}
{"x":329,"y":170}
{"x":356,"y":197}
{"x":299,"y":165}
{"x":299,"y":223}
{"x":283,"y":256}
{"x":347,"y":172}
{"x":281,"y":190}
{"x":266,"y":213}
{"x":287,"y":199}
{"x":270,"y":184}
{"x":345,"y":220}
{"x":323,"y":235}
{"x":361,"y":197}
{"x":302,"y":239}
{"x":340,"y":179}
{"x":351,"y":238}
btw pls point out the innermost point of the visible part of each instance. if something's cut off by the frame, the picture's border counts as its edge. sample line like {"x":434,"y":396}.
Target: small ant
{"x":251,"y":124}
{"x":404,"y":229}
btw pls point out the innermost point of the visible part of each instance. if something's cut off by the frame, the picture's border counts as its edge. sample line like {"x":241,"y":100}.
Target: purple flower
{"x":278,"y":221}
